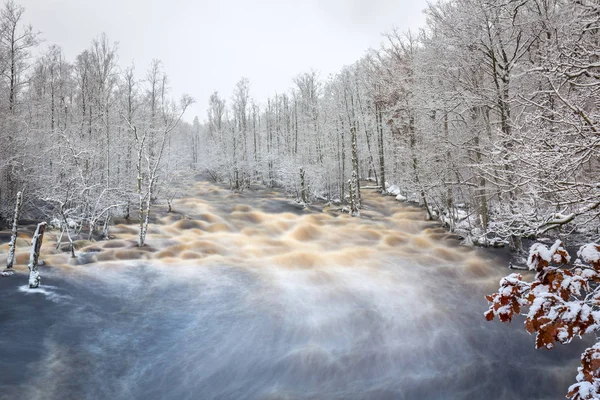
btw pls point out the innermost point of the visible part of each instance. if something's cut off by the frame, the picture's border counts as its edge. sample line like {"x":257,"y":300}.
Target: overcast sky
{"x":209,"y":45}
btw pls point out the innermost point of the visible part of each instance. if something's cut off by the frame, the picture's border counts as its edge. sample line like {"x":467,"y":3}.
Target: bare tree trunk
{"x":354,"y":204}
{"x":146,"y":220}
{"x":481,"y":190}
{"x":142,"y":235}
{"x":59,"y":240}
{"x":15,"y":226}
{"x":66,"y":222}
{"x":449,"y":192}
{"x":145,"y":211}
{"x":355,"y":174}
{"x":36,"y":244}
{"x":343,"y":157}
{"x":371,"y":162}
{"x":105,"y":227}
{"x":379,"y":118}
{"x":415,"y":165}
{"x":303,"y":188}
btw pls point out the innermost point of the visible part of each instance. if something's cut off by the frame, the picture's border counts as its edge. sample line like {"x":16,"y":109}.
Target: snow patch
{"x":589,"y":253}
{"x":394,"y":190}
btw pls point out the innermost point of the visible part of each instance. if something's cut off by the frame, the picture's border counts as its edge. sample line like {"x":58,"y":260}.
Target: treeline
{"x":489,"y":117}
{"x":85,"y":139}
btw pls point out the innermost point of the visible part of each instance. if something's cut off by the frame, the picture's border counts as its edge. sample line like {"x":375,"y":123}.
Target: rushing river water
{"x":247,"y":297}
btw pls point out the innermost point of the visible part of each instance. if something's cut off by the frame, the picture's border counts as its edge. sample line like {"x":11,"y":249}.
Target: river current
{"x":244,"y":296}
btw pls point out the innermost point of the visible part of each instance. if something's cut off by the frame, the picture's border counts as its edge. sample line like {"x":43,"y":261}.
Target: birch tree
{"x":150,"y":140}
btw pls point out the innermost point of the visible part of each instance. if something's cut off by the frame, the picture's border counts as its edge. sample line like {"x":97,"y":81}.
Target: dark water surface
{"x":342,"y":310}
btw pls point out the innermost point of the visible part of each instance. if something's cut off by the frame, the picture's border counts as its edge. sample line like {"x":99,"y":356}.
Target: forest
{"x":487,"y":117}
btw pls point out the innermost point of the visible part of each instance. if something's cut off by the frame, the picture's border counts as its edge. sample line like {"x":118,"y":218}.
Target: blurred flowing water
{"x":247,"y":297}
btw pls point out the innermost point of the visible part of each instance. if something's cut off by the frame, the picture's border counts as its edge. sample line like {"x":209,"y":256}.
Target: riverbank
{"x":464,"y":225}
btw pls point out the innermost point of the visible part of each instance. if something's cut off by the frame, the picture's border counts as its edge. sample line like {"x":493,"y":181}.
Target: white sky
{"x":209,"y":45}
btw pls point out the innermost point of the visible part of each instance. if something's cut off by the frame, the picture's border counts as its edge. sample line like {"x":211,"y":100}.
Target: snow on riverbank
{"x":459,"y":221}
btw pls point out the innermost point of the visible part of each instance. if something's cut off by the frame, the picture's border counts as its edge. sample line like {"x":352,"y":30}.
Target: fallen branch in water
{"x":371,"y":187}
{"x":519,"y":267}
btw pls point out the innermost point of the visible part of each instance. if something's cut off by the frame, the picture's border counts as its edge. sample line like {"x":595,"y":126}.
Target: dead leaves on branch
{"x":588,"y":376}
{"x":509,"y":299}
{"x":540,"y":256}
{"x":563,"y":302}
{"x":556,"y":321}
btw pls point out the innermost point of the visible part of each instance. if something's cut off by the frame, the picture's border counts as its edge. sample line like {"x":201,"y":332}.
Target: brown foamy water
{"x":205,"y":231}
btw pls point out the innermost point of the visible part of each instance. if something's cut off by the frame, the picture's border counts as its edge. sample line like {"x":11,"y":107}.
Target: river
{"x":243,"y":296}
